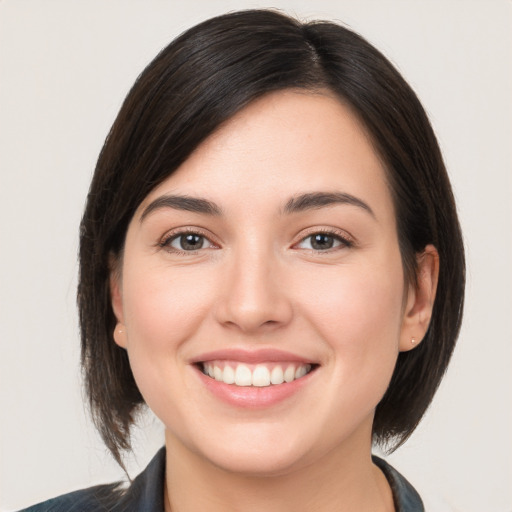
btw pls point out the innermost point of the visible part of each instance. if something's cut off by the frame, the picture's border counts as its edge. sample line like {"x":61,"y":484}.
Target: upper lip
{"x":268,"y":355}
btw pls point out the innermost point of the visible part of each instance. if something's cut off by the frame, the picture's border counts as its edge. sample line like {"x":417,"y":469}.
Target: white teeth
{"x":302,"y":370}
{"x":243,"y":375}
{"x":289,"y":374}
{"x":260,"y":376}
{"x":217,"y":373}
{"x":229,"y":375}
{"x":277,"y":377}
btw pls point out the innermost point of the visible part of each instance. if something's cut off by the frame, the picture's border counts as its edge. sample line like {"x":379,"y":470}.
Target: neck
{"x":341,"y":481}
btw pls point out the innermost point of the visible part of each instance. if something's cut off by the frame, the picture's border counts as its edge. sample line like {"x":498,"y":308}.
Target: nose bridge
{"x":253,"y":296}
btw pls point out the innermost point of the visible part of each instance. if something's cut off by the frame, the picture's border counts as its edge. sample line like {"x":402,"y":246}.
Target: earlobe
{"x":119,"y":333}
{"x":420,"y":299}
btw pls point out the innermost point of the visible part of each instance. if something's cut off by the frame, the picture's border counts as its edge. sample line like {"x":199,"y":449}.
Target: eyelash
{"x":338,"y":236}
{"x":345,"y":241}
{"x":175,"y":235}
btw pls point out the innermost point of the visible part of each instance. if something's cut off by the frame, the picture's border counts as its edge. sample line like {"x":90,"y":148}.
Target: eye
{"x":323,"y":242}
{"x":186,"y":242}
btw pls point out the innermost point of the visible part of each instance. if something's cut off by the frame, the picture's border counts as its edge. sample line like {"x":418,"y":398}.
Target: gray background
{"x":65,"y":68}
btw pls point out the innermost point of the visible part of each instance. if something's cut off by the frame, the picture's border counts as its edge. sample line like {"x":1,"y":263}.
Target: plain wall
{"x":65,"y":68}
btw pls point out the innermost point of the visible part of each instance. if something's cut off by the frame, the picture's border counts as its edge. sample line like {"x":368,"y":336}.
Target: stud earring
{"x":413,"y":340}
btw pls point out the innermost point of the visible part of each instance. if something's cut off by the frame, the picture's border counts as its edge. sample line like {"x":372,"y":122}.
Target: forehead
{"x":279,"y":146}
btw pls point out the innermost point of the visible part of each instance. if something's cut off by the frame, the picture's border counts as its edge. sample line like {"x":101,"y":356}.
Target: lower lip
{"x":253,"y":397}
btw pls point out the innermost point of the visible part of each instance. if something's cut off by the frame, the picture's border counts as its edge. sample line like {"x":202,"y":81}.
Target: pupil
{"x":191,"y":242}
{"x":322,"y":242}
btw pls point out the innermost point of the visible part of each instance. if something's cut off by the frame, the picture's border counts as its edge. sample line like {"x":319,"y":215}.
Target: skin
{"x":257,"y":282}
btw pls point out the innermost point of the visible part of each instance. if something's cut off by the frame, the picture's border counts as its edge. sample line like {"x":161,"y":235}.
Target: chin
{"x":261,"y":462}
{"x":253,"y":451}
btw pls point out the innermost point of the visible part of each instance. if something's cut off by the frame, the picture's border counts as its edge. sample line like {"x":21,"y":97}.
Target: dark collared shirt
{"x":146,"y":493}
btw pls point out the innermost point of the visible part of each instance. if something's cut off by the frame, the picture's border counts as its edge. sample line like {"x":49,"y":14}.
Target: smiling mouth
{"x":257,"y":375}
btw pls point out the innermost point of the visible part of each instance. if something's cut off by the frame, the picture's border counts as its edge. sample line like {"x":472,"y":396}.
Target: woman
{"x":271,"y":260}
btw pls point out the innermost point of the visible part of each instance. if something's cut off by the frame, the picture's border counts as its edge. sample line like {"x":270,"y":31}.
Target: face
{"x":261,"y":293}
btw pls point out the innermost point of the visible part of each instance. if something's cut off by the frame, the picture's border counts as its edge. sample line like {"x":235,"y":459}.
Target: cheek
{"x":351,"y":300}
{"x":358,"y":313}
{"x":162,"y":307}
{"x":162,"y":310}
{"x":367,"y":312}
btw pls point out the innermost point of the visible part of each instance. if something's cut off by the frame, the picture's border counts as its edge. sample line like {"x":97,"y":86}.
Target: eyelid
{"x":185,"y":230}
{"x":345,"y":238}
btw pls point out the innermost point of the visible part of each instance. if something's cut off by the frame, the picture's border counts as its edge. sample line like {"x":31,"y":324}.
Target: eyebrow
{"x":296,"y":204}
{"x":185,"y":203}
{"x":314,"y":200}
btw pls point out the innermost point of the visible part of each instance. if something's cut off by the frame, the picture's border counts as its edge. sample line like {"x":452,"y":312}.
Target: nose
{"x":254,"y":297}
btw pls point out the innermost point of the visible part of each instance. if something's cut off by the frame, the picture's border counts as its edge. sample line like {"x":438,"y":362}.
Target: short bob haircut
{"x":203,"y":78}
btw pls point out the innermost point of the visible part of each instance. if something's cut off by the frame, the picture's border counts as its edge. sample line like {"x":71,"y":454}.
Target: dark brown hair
{"x":194,"y":85}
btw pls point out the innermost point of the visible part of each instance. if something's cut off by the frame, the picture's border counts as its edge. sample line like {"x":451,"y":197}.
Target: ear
{"x":420,"y":299}
{"x":116,"y":298}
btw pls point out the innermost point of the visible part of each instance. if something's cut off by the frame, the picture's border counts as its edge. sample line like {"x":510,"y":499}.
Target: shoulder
{"x":145,"y":493}
{"x":405,"y":496}
{"x":92,"y":499}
